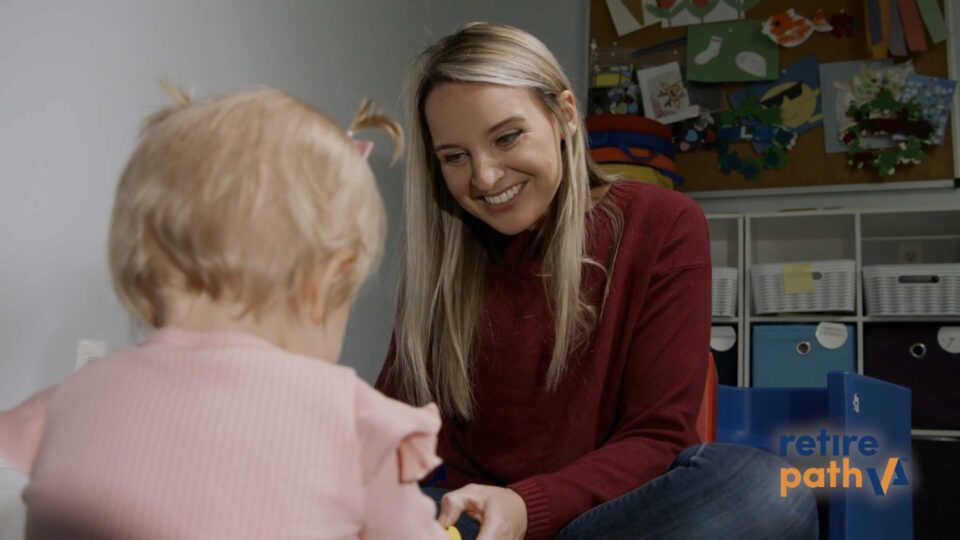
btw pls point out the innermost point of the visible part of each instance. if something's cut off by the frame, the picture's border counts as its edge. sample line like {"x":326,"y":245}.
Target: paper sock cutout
{"x":711,"y":52}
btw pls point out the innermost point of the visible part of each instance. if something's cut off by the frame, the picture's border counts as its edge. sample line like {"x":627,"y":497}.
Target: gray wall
{"x":76,"y":78}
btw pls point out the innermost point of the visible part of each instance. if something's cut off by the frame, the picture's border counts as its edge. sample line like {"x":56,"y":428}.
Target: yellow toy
{"x":453,"y":533}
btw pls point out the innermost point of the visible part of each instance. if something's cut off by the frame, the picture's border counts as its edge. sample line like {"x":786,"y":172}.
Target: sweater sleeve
{"x":21,"y":430}
{"x":660,"y":392}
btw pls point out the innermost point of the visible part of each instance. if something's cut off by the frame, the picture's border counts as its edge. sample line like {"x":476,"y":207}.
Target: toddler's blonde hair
{"x":242,"y":198}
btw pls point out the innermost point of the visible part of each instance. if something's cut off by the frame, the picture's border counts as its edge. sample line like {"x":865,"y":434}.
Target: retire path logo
{"x":840,"y":451}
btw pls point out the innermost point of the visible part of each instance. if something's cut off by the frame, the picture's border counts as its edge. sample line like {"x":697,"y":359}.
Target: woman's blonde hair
{"x":241,"y":198}
{"x":446,"y":255}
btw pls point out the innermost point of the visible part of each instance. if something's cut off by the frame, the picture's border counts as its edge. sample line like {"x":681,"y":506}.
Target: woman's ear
{"x":324,"y":280}
{"x":568,"y":109}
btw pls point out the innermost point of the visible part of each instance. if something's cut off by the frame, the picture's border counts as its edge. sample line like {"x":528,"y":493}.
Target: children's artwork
{"x":788,"y":29}
{"x":837,"y":95}
{"x":912,"y":24}
{"x":796,"y":94}
{"x":610,"y":75}
{"x":878,"y":27}
{"x":624,"y":19}
{"x":898,"y":38}
{"x":936,"y":99}
{"x":665,"y":98}
{"x":752,"y":122}
{"x":868,"y":82}
{"x":885,"y":115}
{"x":695,"y":133}
{"x":933,"y":19}
{"x":733,"y":51}
{"x":689,"y":12}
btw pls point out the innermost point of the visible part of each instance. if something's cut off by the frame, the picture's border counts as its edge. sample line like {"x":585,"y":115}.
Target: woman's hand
{"x":502,"y":514}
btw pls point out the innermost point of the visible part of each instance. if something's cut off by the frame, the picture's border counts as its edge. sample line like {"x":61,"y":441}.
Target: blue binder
{"x":850,"y":404}
{"x":864,"y":405}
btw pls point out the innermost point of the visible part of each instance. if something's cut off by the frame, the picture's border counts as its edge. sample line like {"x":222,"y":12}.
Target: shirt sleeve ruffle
{"x":389,"y":429}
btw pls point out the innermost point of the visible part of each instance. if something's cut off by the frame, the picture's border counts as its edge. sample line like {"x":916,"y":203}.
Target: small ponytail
{"x":367,"y":117}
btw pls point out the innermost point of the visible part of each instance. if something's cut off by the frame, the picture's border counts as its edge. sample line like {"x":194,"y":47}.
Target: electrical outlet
{"x":910,"y":253}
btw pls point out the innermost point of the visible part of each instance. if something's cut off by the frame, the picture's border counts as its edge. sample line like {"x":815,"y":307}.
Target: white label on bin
{"x":722,"y":338}
{"x":831,"y":335}
{"x":949,"y":338}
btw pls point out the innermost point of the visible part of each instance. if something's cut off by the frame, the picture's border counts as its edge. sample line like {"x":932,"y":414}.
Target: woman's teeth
{"x":505,"y":196}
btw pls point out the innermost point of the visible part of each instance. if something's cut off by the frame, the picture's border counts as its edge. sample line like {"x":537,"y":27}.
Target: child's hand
{"x":502,"y":514}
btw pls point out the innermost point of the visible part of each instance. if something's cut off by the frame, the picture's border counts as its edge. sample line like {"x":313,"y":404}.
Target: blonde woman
{"x":559,"y":319}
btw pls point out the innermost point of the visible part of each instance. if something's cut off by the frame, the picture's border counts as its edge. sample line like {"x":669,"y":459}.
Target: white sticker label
{"x":722,"y":338}
{"x":831,"y":335}
{"x":949,"y":338}
{"x":89,"y":350}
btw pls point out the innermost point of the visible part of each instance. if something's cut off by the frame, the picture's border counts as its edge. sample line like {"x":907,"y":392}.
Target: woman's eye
{"x":454,"y":158}
{"x":509,"y":138}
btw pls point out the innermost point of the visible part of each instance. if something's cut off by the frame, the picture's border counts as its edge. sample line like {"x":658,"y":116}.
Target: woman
{"x":560,"y":320}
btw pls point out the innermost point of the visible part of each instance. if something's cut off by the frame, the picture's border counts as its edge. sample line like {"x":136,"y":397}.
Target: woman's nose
{"x":486,"y":173}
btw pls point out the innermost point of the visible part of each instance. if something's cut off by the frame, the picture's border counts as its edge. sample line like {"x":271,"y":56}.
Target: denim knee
{"x":754,"y":476}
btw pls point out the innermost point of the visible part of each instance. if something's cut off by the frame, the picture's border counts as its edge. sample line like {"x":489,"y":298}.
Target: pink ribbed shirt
{"x":221,"y":435}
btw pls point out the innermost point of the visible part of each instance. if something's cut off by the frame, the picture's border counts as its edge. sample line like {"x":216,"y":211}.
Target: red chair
{"x":707,"y":418}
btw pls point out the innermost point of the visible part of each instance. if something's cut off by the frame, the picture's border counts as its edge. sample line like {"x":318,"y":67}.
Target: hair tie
{"x":363,"y":145}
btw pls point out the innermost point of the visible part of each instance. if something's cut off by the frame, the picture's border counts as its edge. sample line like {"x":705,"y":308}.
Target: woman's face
{"x":499,"y":150}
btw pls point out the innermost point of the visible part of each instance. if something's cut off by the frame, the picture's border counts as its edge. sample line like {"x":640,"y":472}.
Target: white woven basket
{"x":912,"y":289}
{"x":834,"y":288}
{"x":724,"y":291}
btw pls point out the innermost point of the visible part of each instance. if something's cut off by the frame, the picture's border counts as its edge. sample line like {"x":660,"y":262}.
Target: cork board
{"x":809,"y":164}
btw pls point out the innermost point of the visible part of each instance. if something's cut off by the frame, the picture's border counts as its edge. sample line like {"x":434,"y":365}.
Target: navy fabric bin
{"x":726,"y":362}
{"x":790,"y":356}
{"x":909,"y":355}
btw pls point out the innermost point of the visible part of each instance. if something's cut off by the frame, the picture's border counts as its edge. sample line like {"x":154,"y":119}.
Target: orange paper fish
{"x":788,"y":29}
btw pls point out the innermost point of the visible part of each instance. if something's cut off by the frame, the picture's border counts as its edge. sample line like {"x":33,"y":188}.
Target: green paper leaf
{"x":886,"y":163}
{"x":658,"y":11}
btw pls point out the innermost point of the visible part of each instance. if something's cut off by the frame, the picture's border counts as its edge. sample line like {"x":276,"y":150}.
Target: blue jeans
{"x":710,"y":491}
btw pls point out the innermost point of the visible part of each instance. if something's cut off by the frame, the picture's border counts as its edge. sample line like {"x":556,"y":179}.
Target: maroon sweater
{"x":628,"y":402}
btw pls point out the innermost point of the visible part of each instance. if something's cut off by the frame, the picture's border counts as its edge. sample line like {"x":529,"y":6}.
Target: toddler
{"x":242,"y":229}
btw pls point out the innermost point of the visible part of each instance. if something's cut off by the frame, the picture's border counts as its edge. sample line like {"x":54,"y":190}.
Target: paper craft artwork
{"x":796,"y":94}
{"x":933,"y":18}
{"x":836,"y":97}
{"x":866,"y":84}
{"x":898,"y":38}
{"x":878,"y":27}
{"x":912,"y":25}
{"x":936,"y":99}
{"x":672,"y":13}
{"x":665,"y":98}
{"x":695,"y":133}
{"x":752,"y":122}
{"x":624,"y":19}
{"x":788,"y":29}
{"x":885,"y":115}
{"x":728,"y":52}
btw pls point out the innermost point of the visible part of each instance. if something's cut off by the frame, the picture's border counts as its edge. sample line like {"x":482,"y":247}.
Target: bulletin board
{"x":809,"y":164}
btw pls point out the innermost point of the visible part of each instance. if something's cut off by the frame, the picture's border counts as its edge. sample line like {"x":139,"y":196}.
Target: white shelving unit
{"x":868,"y":237}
